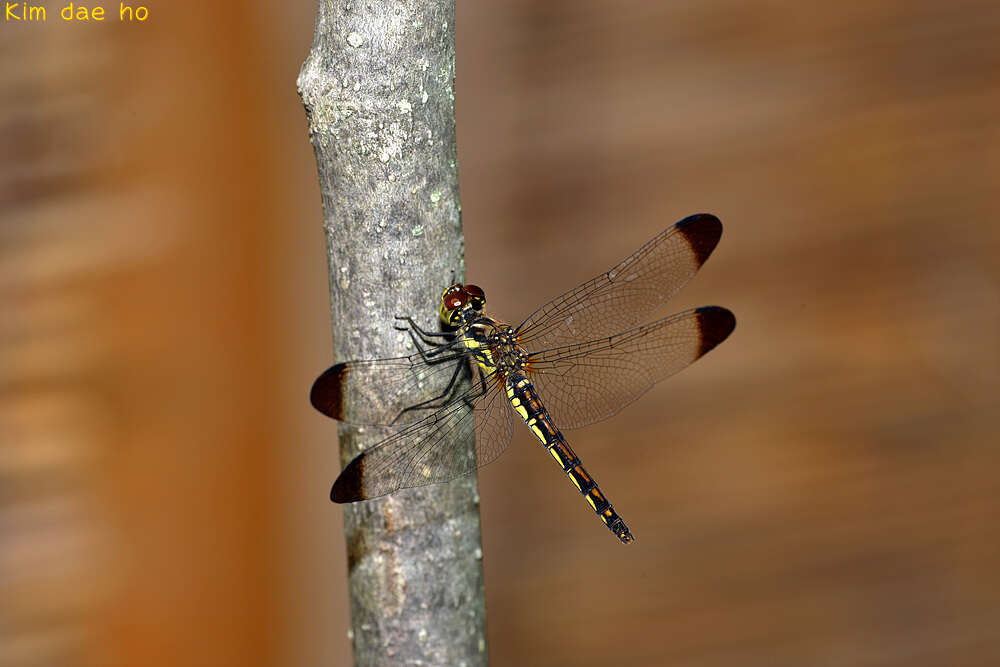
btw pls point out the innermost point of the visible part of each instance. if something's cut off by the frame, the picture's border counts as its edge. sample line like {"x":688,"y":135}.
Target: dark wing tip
{"x":714,"y":324}
{"x":347,"y":487}
{"x":326,"y":394}
{"x":702,"y":231}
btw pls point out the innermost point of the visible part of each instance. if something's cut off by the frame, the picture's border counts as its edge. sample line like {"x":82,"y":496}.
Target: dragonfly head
{"x":459,"y":299}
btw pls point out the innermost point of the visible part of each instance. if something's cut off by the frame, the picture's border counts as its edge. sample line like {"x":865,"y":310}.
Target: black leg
{"x":428,"y":355}
{"x":482,"y":386}
{"x":482,"y":380}
{"x":413,"y":326}
{"x":447,"y":347}
{"x":438,"y":401}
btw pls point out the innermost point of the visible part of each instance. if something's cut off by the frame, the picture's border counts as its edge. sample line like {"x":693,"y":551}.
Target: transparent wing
{"x":409,"y":388}
{"x":625,"y":296}
{"x":435,"y":448}
{"x":587,"y":382}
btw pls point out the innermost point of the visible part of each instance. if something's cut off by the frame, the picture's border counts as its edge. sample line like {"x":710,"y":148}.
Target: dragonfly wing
{"x":344,"y":391}
{"x":586,"y":382}
{"x":433,"y":449}
{"x":625,"y":296}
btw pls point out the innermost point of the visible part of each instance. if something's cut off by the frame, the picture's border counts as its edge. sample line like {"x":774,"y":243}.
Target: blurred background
{"x":820,"y":490}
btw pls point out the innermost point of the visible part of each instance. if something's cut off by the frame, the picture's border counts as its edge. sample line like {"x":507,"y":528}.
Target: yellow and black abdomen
{"x":523,"y":398}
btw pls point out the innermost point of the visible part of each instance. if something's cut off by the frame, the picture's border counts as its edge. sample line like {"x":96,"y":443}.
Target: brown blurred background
{"x":820,"y":490}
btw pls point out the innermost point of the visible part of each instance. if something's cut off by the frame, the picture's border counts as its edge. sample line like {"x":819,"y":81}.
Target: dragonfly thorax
{"x":507,"y":354}
{"x":494,"y":345}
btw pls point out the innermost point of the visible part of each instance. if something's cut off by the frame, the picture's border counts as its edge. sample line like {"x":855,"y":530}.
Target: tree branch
{"x":379,"y":96}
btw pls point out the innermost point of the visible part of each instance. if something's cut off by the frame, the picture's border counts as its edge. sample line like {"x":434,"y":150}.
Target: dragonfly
{"x":578,"y":359}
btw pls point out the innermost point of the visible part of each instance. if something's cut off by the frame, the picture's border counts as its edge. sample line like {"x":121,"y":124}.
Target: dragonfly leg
{"x":429,"y":355}
{"x":425,"y":335}
{"x":482,"y":386}
{"x":481,"y":379}
{"x":447,"y":347}
{"x":438,"y":401}
{"x":437,"y":348}
{"x":417,"y":336}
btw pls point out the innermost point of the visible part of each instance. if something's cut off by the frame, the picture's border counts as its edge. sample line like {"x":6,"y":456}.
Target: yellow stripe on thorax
{"x":472,"y":344}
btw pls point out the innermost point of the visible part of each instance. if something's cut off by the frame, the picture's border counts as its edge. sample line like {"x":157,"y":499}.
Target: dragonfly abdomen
{"x":524,"y":399}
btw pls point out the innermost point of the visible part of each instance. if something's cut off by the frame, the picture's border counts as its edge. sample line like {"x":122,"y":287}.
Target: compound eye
{"x":477,"y":297}
{"x":454,"y":299}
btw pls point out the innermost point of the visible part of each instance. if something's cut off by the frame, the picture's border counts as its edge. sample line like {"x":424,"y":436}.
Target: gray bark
{"x":378,"y":87}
